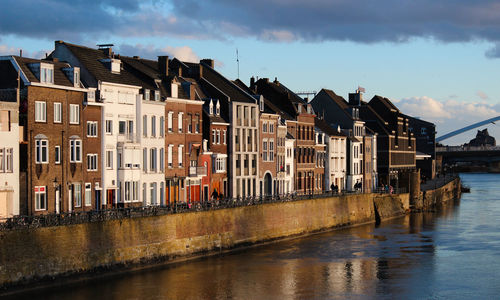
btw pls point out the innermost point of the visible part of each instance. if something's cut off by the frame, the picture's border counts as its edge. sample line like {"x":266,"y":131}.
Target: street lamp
{"x":175,"y":191}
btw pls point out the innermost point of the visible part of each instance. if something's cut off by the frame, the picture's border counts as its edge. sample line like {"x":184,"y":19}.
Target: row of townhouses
{"x":87,"y":129}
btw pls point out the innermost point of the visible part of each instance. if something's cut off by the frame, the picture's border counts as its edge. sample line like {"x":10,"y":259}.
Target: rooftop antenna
{"x":238,"y":62}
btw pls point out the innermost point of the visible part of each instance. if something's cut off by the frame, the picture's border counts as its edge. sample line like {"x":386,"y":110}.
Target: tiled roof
{"x":280,"y":97}
{"x":385,"y":101}
{"x":337,"y":99}
{"x":59,"y":77}
{"x":323,"y":126}
{"x":91,"y":60}
{"x":234,"y":92}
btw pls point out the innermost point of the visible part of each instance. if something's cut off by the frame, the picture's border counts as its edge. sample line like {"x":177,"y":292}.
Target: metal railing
{"x":62,"y":219}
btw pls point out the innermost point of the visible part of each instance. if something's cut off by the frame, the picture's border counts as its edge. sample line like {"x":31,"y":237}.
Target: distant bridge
{"x":467,"y":128}
{"x":477,"y":159}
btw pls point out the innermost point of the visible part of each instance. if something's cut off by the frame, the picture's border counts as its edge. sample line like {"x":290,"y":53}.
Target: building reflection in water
{"x":364,"y":261}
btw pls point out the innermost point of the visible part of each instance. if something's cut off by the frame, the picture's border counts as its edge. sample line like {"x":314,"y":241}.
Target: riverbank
{"x":41,"y":254}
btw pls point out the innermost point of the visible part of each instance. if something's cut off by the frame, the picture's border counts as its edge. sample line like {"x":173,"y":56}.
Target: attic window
{"x":46,"y":73}
{"x":261,"y":104}
{"x":217,"y":108}
{"x":76,"y":77}
{"x":146,"y":94}
{"x":211,"y":107}
{"x":157,"y":95}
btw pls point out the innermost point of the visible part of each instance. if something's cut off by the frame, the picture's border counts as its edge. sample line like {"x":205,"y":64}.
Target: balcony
{"x":127,"y":138}
{"x":197,"y":171}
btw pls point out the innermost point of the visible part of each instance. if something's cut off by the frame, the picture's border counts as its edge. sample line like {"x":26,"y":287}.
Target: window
{"x":91,"y":128}
{"x":57,"y":155}
{"x":109,"y":126}
{"x":218,"y":136}
{"x":91,"y":162}
{"x":8,"y":160}
{"x":74,"y":114}
{"x":162,"y":159}
{"x":264,"y":127}
{"x":109,"y":159}
{"x":214,"y":138}
{"x":127,"y":191}
{"x":162,"y":126}
{"x":145,"y":159}
{"x":75,"y":150}
{"x":197,"y":124}
{"x":157,"y":95}
{"x":217,"y":108}
{"x":46,"y":73}
{"x":40,"y":198}
{"x":152,"y":159}
{"x":180,"y":154}
{"x":41,"y":150}
{"x":76,"y":77}
{"x":40,"y":111}
{"x":119,"y":160}
{"x":57,"y":112}
{"x":224,"y":136}
{"x":153,"y":126}
{"x":130,"y":127}
{"x":271,"y":127}
{"x":135,"y":190}
{"x":190,"y":123}
{"x":169,"y":121}
{"x":122,"y":127}
{"x":169,"y":155}
{"x":144,"y":125}
{"x":2,"y":161}
{"x":88,"y":194}
{"x":271,"y":150}
{"x":220,"y":164}
{"x":264,"y":150}
{"x":180,"y":121}
{"x":146,"y":94}
{"x":77,"y":194}
{"x":211,"y":108}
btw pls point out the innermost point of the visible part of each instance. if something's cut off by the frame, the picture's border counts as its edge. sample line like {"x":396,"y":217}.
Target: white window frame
{"x":46,"y":73}
{"x":91,"y":128}
{"x":40,"y":111}
{"x":74,"y":114}
{"x":92,"y":162}
{"x":224,"y":136}
{"x":157,"y":95}
{"x":77,"y":194}
{"x":88,"y":194}
{"x":109,"y":126}
{"x":57,"y":112}
{"x":180,"y":121}
{"x":214,"y":138}
{"x":109,"y":159}
{"x":75,"y":151}
{"x":218,"y":136}
{"x":180,"y":155}
{"x":169,"y":156}
{"x":40,"y":197}
{"x":57,"y":155}
{"x":41,"y":146}
{"x":170,"y":121}
{"x":2,"y":160}
{"x":9,"y":154}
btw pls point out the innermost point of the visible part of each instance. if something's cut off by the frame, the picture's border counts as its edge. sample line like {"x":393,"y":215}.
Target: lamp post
{"x":175,"y":192}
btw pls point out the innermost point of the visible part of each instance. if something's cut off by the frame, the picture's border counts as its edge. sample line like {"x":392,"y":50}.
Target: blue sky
{"x":435,"y":59}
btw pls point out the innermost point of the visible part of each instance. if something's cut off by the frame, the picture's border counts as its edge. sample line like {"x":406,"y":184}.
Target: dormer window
{"x":261,"y":104}
{"x":157,"y":95}
{"x":46,"y":73}
{"x":113,"y":64}
{"x":146,"y":94}
{"x":211,"y":107}
{"x":76,"y":77}
{"x":217,"y":108}
{"x":175,"y":90}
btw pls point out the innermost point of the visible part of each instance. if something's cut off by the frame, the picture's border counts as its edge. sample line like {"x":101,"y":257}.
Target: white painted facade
{"x":335,"y":169}
{"x":244,"y":152}
{"x":289,"y":165}
{"x":121,"y":148}
{"x":355,"y":174}
{"x":151,"y":130}
{"x":9,"y":159}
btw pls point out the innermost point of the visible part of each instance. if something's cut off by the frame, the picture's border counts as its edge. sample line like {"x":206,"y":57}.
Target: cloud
{"x":183,"y":53}
{"x":449,"y":115}
{"x":9,"y":50}
{"x":482,"y":95}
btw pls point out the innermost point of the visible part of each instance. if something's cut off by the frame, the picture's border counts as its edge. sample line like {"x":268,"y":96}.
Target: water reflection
{"x":418,"y":256}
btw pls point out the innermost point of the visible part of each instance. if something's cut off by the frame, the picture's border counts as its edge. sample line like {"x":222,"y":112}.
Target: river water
{"x":450,"y":254}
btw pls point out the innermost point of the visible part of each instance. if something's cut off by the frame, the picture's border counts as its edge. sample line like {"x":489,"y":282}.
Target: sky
{"x":435,"y":59}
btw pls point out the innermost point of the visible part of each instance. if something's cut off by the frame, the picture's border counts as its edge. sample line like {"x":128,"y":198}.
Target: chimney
{"x":208,"y":61}
{"x":252,"y":83}
{"x":163,"y":65}
{"x":276,"y":81}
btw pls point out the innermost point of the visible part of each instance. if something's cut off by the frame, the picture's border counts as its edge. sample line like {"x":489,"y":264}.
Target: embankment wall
{"x":29,"y":255}
{"x":432,"y":199}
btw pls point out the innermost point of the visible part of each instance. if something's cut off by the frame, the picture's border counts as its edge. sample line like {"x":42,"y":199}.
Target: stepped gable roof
{"x":91,"y":60}
{"x":227,"y":86}
{"x":323,"y":126}
{"x":59,"y":77}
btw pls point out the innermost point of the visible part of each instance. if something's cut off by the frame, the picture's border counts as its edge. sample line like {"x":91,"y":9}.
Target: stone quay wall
{"x":40,"y":254}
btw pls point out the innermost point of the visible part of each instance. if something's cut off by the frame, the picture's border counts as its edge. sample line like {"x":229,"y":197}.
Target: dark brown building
{"x":51,"y":100}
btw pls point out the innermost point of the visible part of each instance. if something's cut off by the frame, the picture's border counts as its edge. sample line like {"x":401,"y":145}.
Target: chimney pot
{"x":163,"y":65}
